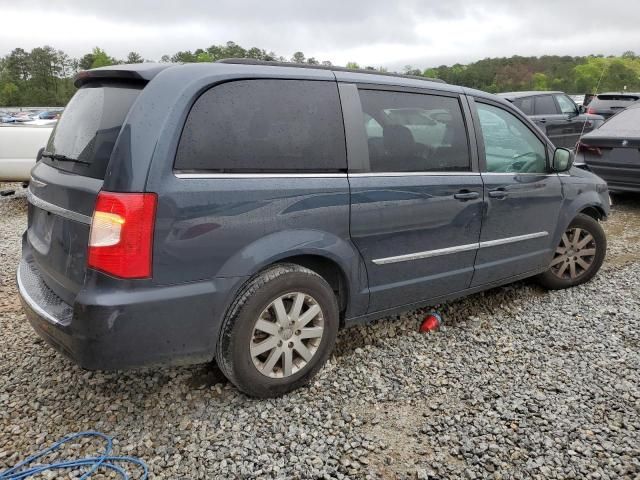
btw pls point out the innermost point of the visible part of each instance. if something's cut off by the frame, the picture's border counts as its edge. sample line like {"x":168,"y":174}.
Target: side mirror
{"x":581,"y":109}
{"x":562,"y":160}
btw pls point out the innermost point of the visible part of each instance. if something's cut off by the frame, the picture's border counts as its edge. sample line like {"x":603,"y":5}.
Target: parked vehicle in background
{"x":246,"y":210}
{"x":578,"y":99}
{"x":556,"y":115}
{"x":19,"y":146}
{"x":608,"y":104}
{"x":613,"y":151}
{"x":24,"y":116}
{"x":47,"y":115}
{"x":6,"y":117}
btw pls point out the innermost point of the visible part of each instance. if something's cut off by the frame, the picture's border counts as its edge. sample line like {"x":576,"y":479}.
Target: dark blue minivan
{"x":245,"y":211}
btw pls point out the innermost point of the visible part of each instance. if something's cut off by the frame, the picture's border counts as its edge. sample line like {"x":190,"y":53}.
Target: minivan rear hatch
{"x":611,"y":103}
{"x":68,"y":178}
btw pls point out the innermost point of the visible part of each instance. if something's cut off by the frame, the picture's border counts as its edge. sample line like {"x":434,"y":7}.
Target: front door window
{"x":566,"y":105}
{"x":510,"y":146}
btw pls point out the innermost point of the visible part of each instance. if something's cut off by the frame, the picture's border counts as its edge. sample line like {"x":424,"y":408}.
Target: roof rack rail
{"x":251,"y":61}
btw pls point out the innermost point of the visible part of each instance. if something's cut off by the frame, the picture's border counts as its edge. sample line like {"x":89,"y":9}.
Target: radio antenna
{"x":595,"y":94}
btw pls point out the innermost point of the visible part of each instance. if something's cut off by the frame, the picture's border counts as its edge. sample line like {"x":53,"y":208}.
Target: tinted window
{"x":265,"y":126}
{"x":545,"y":105}
{"x":410,"y":132}
{"x":566,"y":104}
{"x":89,"y":126}
{"x":509,"y":144}
{"x":619,"y":98}
{"x":525,"y":105}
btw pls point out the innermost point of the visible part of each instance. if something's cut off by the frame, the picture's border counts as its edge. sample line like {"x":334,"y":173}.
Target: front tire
{"x":279,"y":331}
{"x":579,"y":255}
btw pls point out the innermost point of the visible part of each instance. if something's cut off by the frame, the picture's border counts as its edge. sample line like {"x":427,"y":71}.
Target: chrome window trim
{"x":258,"y":175}
{"x":32,"y":303}
{"x":321,"y":175}
{"x":414,"y":174}
{"x":457,"y":249}
{"x":523,"y":173}
{"x":50,"y":207}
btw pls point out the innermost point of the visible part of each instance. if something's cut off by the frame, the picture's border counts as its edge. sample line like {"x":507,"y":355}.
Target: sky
{"x":384,"y":33}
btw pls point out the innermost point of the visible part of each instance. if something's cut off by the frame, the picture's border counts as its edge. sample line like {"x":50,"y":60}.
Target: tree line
{"x":44,"y":75}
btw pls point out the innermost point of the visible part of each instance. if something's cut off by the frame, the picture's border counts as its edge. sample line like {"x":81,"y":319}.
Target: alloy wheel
{"x":287,"y":335}
{"x":575,"y":254}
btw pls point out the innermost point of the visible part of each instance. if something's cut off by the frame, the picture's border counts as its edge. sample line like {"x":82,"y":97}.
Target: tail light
{"x":591,"y":111}
{"x":121,"y":238}
{"x":584,"y":148}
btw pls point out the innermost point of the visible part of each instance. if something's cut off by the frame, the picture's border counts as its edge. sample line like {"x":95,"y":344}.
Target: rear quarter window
{"x":525,"y":104}
{"x":276,"y":126}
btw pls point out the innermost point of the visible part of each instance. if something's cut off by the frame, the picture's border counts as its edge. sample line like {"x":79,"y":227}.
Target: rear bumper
{"x":110,"y":328}
{"x":618,"y":178}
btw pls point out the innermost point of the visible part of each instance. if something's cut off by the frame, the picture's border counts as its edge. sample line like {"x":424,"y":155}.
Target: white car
{"x":19,"y":146}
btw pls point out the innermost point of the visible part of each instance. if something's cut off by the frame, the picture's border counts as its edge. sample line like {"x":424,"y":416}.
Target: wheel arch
{"x":594,"y":211}
{"x":328,"y":269}
{"x":588,"y":203}
{"x":335,"y":259}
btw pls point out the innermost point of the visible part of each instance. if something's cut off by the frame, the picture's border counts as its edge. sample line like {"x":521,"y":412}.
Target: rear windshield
{"x":625,"y":120}
{"x":86,"y":133}
{"x":620,"y":98}
{"x":613,"y":101}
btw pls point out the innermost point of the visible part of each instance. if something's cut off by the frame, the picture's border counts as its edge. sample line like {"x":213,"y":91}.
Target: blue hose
{"x":106,"y":461}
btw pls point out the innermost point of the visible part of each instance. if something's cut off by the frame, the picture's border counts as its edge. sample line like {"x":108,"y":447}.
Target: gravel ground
{"x":519,"y":383}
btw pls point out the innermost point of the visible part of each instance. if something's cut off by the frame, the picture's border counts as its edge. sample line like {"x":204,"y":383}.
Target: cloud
{"x":372,"y":32}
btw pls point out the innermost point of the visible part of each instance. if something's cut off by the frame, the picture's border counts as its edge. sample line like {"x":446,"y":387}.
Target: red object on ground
{"x":430,"y":322}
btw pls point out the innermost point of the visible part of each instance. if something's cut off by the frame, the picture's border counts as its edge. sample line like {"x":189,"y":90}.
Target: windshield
{"x":86,"y":133}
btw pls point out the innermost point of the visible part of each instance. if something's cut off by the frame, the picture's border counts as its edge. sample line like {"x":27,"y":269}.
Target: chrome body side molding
{"x":458,"y":248}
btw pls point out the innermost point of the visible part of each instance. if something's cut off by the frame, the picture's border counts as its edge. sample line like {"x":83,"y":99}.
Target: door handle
{"x":465,"y":195}
{"x":499,"y":193}
{"x":542,"y":120}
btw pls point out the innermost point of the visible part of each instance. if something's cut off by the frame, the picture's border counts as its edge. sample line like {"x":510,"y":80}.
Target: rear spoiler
{"x":137,"y":72}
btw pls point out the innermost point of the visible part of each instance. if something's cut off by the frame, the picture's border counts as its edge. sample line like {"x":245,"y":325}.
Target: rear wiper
{"x":58,"y":156}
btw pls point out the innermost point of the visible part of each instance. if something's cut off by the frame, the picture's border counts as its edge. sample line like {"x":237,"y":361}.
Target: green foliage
{"x":298,"y":57}
{"x":100,"y":58}
{"x":550,"y":72}
{"x":540,"y":81}
{"x":40,"y":77}
{"x":44,"y":76}
{"x":409,"y":70}
{"x":134,"y":57}
{"x":9,"y":95}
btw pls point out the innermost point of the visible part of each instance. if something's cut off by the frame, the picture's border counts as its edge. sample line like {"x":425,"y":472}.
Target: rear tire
{"x":278,"y":332}
{"x":579,"y":255}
